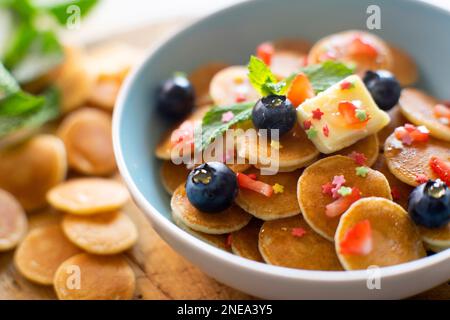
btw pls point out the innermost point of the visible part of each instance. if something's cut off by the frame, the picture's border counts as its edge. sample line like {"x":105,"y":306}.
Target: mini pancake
{"x":336,"y":46}
{"x":27,"y":176}
{"x":295,"y":151}
{"x":279,"y":246}
{"x":100,"y":278}
{"x":229,"y":220}
{"x":436,"y":238}
{"x":232,"y":84}
{"x":368,"y":146}
{"x":200,"y":79}
{"x":85,"y":196}
{"x":172,"y":175}
{"x":41,"y":252}
{"x":400,"y":190}
{"x":417,"y":107}
{"x":75,"y":81}
{"x":313,"y":201}
{"x":107,"y":233}
{"x":164,"y":147}
{"x":410,"y":161}
{"x":397,"y":120}
{"x":13,"y":221}
{"x":244,"y":242}
{"x":404,"y":67}
{"x":216,"y":240}
{"x":395,"y":238}
{"x":86,"y":133}
{"x":104,"y":93}
{"x":289,"y":56}
{"x":279,"y":205}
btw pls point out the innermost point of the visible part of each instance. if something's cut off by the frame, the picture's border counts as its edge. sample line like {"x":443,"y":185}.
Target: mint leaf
{"x":59,"y":9}
{"x":322,"y":76}
{"x":213,"y":126}
{"x":19,"y":44}
{"x":8,"y":84}
{"x":263,"y":80}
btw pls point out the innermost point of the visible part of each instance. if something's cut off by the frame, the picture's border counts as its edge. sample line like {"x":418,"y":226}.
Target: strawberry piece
{"x":252,"y":176}
{"x":358,"y":239}
{"x":346,"y":85}
{"x":298,"y":232}
{"x":441,"y":111}
{"x":300,"y":90}
{"x":410,"y":133}
{"x":265,"y":52}
{"x":246,"y":182}
{"x":359,"y":47}
{"x":348,"y":112}
{"x":419,"y":135}
{"x":441,"y":169}
{"x":341,"y":205}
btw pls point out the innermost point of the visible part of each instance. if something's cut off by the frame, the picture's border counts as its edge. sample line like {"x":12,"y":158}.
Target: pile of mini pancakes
{"x":59,"y":200}
{"x":290,"y":228}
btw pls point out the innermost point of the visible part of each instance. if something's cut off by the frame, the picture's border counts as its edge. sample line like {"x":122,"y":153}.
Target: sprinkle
{"x":421,"y":178}
{"x":361,"y":114}
{"x":278,"y":188}
{"x":252,"y":176}
{"x":395,"y":192}
{"x":240,"y":97}
{"x":307,"y":124}
{"x":238,"y":80}
{"x":326,"y":130}
{"x":227,"y":116}
{"x":347,"y":85}
{"x":358,"y":157}
{"x":298,"y":232}
{"x":326,"y":188}
{"x":338,"y":182}
{"x":317,"y":114}
{"x":311,"y":132}
{"x":345,"y":191}
{"x":407,"y":139}
{"x":362,"y":171}
{"x":276,"y":144}
{"x":229,"y":240}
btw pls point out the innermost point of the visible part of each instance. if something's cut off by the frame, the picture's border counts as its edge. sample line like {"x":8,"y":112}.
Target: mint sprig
{"x":263,"y":80}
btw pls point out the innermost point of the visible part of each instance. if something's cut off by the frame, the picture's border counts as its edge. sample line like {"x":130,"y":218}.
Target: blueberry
{"x":211,"y":187}
{"x":384,"y":88}
{"x":429,"y":204}
{"x":274,"y":112}
{"x":175,"y":97}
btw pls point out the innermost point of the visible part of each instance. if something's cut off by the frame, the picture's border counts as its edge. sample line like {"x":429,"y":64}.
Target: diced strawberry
{"x":240,"y":97}
{"x":341,"y":205}
{"x":252,"y":176}
{"x":246,"y":182}
{"x":410,"y":133}
{"x":348,"y":111}
{"x":345,"y":85}
{"x":265,"y":52}
{"x":441,"y":169}
{"x":359,"y":48}
{"x":441,"y":111}
{"x":300,"y":90}
{"x":419,"y":135}
{"x":358,"y":239}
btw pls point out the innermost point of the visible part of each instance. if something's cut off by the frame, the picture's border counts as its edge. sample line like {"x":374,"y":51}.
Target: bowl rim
{"x":201,"y":247}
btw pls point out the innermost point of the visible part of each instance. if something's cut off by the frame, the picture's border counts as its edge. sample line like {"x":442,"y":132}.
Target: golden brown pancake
{"x":295,"y":151}
{"x":217,"y":240}
{"x":413,"y":160}
{"x":107,"y":233}
{"x":279,"y":205}
{"x":244,"y":242}
{"x":395,"y":238}
{"x":368,"y":146}
{"x":417,"y":107}
{"x":313,"y":202}
{"x":200,"y":79}
{"x":87,"y":196}
{"x":28,"y":176}
{"x":400,"y":190}
{"x":436,"y":238}
{"x":280,"y":246}
{"x":404,"y":67}
{"x":13,"y":221}
{"x":90,"y":277}
{"x":397,"y":120}
{"x":86,"y":133}
{"x":42,"y":252}
{"x":229,"y":220}
{"x":173,"y":175}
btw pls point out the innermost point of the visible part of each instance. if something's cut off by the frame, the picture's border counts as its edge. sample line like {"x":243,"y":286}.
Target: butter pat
{"x":331,"y":130}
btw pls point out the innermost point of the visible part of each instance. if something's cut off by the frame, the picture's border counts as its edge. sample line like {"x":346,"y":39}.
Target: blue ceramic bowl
{"x":231,"y":35}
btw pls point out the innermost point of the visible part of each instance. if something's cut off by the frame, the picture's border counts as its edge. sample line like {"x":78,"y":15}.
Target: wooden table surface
{"x":161,"y":273}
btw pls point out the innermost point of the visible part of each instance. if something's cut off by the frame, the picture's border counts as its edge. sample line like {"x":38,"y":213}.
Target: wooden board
{"x":161,"y":273}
